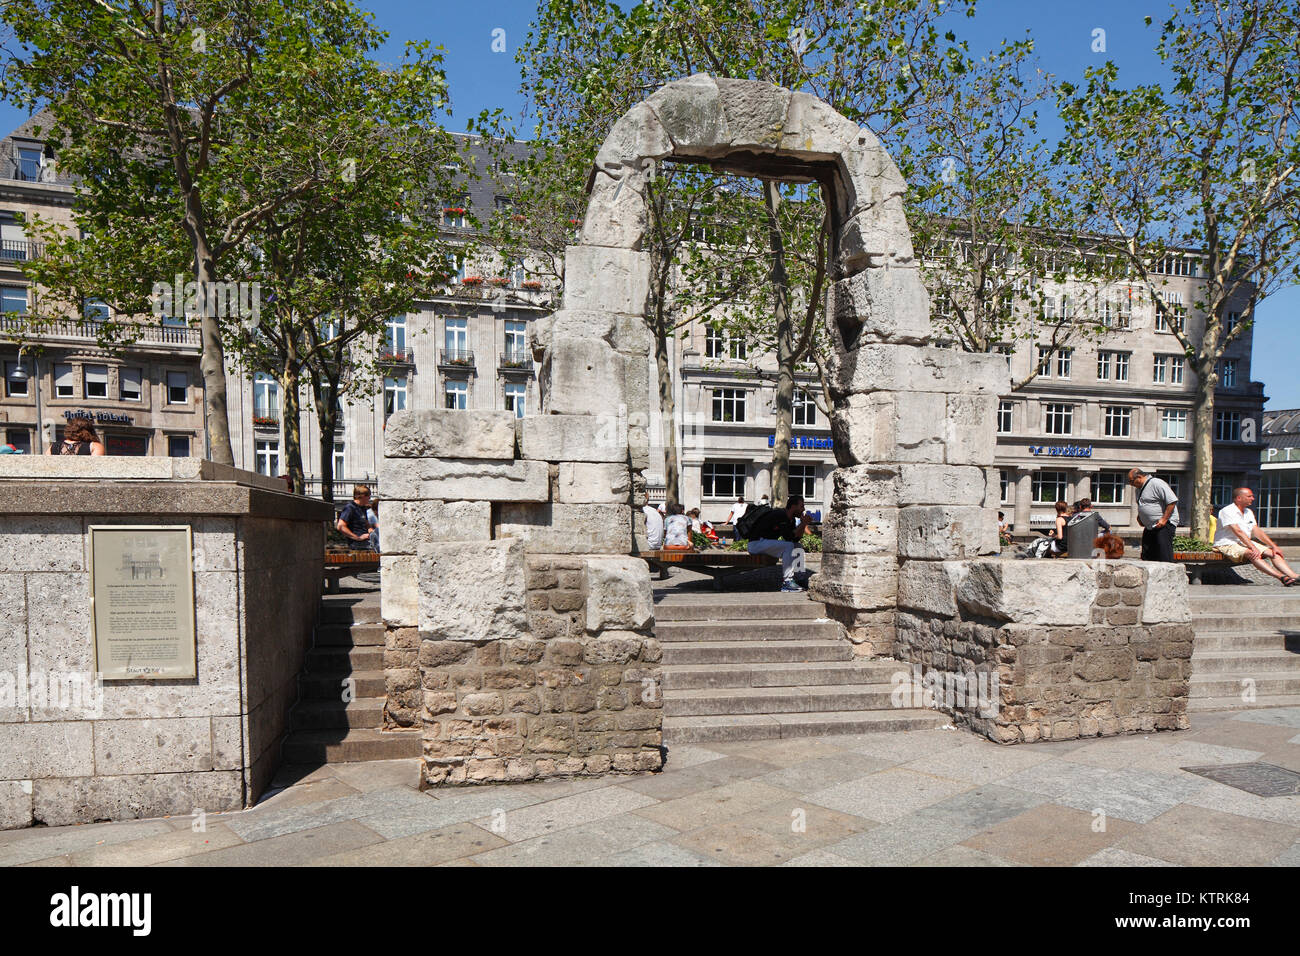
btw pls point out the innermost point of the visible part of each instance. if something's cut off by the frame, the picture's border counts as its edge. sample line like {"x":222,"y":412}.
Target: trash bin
{"x":1080,"y":535}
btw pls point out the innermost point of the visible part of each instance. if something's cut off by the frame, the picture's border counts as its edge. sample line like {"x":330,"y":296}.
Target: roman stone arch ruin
{"x":520,"y":637}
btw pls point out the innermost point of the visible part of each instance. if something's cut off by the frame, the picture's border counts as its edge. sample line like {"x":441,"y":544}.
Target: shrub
{"x":811,"y":543}
{"x":1183,"y":542}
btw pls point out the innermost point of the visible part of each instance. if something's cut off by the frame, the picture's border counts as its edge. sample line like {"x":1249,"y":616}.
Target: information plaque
{"x":142,"y":601}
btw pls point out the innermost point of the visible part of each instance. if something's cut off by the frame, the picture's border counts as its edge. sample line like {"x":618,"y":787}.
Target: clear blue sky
{"x":1063,"y":33}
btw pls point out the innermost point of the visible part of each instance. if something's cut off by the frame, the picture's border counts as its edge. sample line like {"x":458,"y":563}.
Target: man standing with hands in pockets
{"x":1157,"y":513}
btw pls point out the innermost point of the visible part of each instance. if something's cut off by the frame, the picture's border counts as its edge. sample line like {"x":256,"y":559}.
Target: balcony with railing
{"x":181,"y":337}
{"x":20,"y":250}
{"x":456,"y":360}
{"x":392,"y":355}
{"x":516,"y":362}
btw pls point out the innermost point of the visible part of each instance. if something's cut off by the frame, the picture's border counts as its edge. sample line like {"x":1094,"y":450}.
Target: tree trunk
{"x":1203,"y":449}
{"x":668,"y":418}
{"x":327,"y":418}
{"x":289,"y":384}
{"x":212,"y":361}
{"x":784,"y":351}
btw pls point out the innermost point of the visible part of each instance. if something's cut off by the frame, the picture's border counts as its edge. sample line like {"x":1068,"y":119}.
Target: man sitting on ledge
{"x":1236,"y":528}
{"x":778,"y":532}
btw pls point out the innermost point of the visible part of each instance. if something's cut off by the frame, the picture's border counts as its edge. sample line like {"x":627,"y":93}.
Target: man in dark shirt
{"x":778,"y":533}
{"x":353,"y":523}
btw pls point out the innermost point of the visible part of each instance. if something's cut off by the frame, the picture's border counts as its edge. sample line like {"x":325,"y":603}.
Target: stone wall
{"x":1049,"y":650}
{"x":152,"y":747}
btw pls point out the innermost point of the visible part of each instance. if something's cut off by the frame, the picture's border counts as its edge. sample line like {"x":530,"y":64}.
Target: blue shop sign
{"x":1062,"y":451}
{"x":805,"y":441}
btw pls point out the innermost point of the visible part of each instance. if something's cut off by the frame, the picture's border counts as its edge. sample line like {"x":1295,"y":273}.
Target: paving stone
{"x":824,"y":772}
{"x":1133,"y":794}
{"x":157,"y":849}
{"x":40,"y":843}
{"x":899,"y":843}
{"x":1195,"y":836}
{"x":588,"y":844}
{"x":430,"y":848}
{"x":528,"y":822}
{"x":978,"y":809}
{"x":1113,"y":856}
{"x":1054,"y":777}
{"x":911,"y":745}
{"x":275,"y":823}
{"x":682,"y":756}
{"x":302,"y":846}
{"x":701,"y":777}
{"x":1218,"y":796}
{"x":370,"y":775}
{"x":1278,"y":716}
{"x":1116,"y":752}
{"x":1244,"y":735}
{"x":317,"y":790}
{"x":781,"y":753}
{"x":962,"y":855}
{"x":1049,"y":835}
{"x":716,"y":806}
{"x":1288,"y":857}
{"x":659,"y":854}
{"x":1194,"y":753}
{"x":819,"y":858}
{"x":978,"y":762}
{"x":887,"y":795}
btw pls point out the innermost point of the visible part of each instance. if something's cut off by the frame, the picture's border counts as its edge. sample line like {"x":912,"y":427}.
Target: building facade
{"x":1278,"y":504}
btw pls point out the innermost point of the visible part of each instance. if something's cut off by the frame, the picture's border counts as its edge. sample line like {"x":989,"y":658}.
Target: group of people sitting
{"x":1056,"y":544}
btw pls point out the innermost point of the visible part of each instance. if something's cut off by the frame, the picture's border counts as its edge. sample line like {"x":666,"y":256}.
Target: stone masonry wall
{"x":1079,"y":648}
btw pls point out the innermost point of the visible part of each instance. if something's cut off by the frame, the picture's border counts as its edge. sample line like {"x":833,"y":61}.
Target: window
{"x":178,"y":446}
{"x":1005,"y":351}
{"x":96,"y":381}
{"x":1230,"y":323}
{"x":395,"y":335}
{"x":330,"y":327}
{"x":1175,"y":265}
{"x":1173,"y":423}
{"x":1063,"y":357}
{"x":455,"y":394}
{"x":1175,"y":482}
{"x":13,"y":298}
{"x":266,"y":397}
{"x":516,"y":342}
{"x":517,"y":398}
{"x":1060,"y":419}
{"x":722,"y":345}
{"x":20,"y":438}
{"x":1174,"y":300}
{"x":1044,"y":361}
{"x":456,"y":339}
{"x":1108,"y":487}
{"x":1004,"y":486}
{"x":178,"y":388}
{"x":394,"y":395}
{"x":454,"y":216}
{"x":803,"y":481}
{"x":29,"y":163}
{"x":1168,"y":370}
{"x":1004,"y":417}
{"x":1176,"y":365}
{"x":95,"y":310}
{"x":1118,"y":420}
{"x":64,"y":386}
{"x":130,"y":386}
{"x":15,"y":388}
{"x":1121,"y":366}
{"x":268,"y":457}
{"x":722,"y":480}
{"x":340,"y":459}
{"x":1279,"y":498}
{"x":1221,"y":488}
{"x":805,"y":409}
{"x":1051,"y":487}
{"x":1227,"y":426}
{"x":1117,"y":312}
{"x":1228,"y":373}
{"x":728,"y":404}
{"x":1104,"y":362}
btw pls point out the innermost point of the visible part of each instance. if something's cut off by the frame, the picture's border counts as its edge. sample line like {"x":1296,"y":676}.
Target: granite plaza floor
{"x":927,"y":798}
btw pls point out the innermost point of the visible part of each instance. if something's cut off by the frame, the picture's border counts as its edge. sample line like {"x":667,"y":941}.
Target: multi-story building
{"x":146,"y":398}
{"x":1278,"y":504}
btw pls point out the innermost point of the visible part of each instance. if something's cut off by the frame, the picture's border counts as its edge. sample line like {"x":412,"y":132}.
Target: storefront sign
{"x":1062,"y":451}
{"x":104,"y":418}
{"x":804,"y":441}
{"x":142,"y":601}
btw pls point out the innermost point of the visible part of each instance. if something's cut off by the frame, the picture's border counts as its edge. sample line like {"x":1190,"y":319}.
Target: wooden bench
{"x":1197,"y":562}
{"x":716,"y":564}
{"x":339,"y":563}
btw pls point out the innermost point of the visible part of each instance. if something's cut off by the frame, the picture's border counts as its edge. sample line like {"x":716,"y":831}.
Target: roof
{"x":1282,"y":428}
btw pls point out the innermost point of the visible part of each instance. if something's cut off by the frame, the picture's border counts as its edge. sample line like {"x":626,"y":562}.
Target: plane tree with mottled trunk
{"x":1208,"y":167}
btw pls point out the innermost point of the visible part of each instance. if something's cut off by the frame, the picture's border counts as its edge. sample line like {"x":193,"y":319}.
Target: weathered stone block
{"x":585,"y":438}
{"x":754,"y":113}
{"x":881,"y":306}
{"x":472,"y":592}
{"x":408,"y":523}
{"x":863,"y":486}
{"x":863,"y":582}
{"x":815,"y":130}
{"x":1029,"y":592}
{"x":930,"y":586}
{"x":594,"y":483}
{"x":619,"y":595}
{"x":970,"y":428}
{"x":861,"y":531}
{"x":946,"y":532}
{"x":1166,"y":595}
{"x":606,"y":279}
{"x":690,"y":110}
{"x":448,"y":433}
{"x":617,"y":210}
{"x":568,"y":528}
{"x":926,"y":484}
{"x":399,"y":598}
{"x":582,"y":374}
{"x":453,"y":479}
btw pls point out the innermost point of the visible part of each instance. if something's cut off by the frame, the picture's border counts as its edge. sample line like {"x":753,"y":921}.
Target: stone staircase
{"x":323,"y":728}
{"x":761,"y":666}
{"x":1245,"y":633}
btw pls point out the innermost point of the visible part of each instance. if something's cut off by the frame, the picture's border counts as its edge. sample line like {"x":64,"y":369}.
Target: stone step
{"x":349,"y":610}
{"x":803,"y":609}
{"x":778,"y":700}
{"x":1267,"y":683}
{"x":356,"y":744}
{"x":692,"y":677}
{"x":1256,"y":640}
{"x":329,"y":685}
{"x":1207,"y":704}
{"x":687,"y":730}
{"x":350,"y":635}
{"x":326,"y":714}
{"x":757,"y":652}
{"x":1240,"y":661}
{"x":327,"y":660}
{"x":702,"y":631}
{"x":1238,"y":623}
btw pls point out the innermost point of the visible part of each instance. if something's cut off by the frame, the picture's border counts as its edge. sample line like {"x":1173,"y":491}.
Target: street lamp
{"x":20,"y":375}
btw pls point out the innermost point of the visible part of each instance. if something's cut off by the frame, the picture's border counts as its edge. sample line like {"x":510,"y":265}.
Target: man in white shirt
{"x":654,"y":527}
{"x":1233,"y":539}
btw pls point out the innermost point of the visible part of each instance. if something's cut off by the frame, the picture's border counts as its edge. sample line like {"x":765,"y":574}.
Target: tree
{"x":161,"y":111}
{"x":1210,"y":165}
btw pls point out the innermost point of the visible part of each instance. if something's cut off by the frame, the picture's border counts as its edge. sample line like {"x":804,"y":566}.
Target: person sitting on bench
{"x":677,"y":529}
{"x":778,"y":532}
{"x":1236,"y":528}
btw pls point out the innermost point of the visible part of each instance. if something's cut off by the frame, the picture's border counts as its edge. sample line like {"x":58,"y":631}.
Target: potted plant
{"x":531,"y":284}
{"x":472,"y":281}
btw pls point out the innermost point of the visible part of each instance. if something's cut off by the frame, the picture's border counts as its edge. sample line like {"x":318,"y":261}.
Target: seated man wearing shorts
{"x":1233,"y":538}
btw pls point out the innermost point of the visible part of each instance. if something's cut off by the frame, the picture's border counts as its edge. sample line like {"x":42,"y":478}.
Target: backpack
{"x":750,"y":518}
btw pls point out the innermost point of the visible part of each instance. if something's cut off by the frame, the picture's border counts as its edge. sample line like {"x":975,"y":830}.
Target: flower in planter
{"x":531,"y":284}
{"x":498,"y":280}
{"x":472,"y":280}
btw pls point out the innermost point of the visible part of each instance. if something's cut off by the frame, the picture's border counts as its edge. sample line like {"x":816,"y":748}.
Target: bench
{"x":339,"y":563}
{"x":1197,"y":562}
{"x":716,"y":564}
